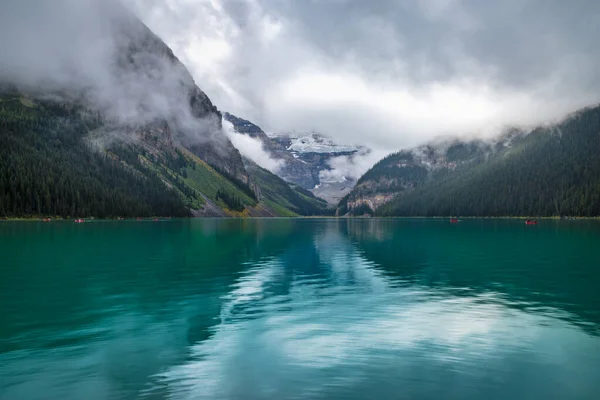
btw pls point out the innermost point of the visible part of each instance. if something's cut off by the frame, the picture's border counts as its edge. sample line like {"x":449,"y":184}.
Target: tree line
{"x":46,"y":168}
{"x":552,"y":171}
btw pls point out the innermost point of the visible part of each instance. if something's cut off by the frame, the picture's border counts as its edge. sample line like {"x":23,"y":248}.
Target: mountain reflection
{"x":545,"y":271}
{"x":321,"y":320}
{"x":286,"y":309}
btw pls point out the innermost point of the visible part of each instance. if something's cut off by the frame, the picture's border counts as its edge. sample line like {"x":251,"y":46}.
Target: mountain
{"x":311,"y":143}
{"x":278,"y":198}
{"x":304,"y":158}
{"x":137,"y":138}
{"x":552,"y":170}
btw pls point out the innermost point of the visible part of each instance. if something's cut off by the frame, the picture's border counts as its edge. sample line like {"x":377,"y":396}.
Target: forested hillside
{"x":50,"y":166}
{"x":56,"y":160}
{"x":122,"y":132}
{"x":47,"y":169}
{"x":286,"y":200}
{"x":550,"y":171}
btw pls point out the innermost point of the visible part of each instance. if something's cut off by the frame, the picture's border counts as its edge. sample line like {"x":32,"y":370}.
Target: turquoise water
{"x":300,"y":309}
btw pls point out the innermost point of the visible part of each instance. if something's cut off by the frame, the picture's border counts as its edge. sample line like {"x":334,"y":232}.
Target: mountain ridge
{"x":551,"y":170}
{"x":155,"y":148}
{"x":304,"y":156}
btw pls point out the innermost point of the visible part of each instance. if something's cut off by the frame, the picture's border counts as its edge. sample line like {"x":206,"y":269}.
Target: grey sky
{"x":387,"y":73}
{"x":84,"y":48}
{"x":382,"y":73}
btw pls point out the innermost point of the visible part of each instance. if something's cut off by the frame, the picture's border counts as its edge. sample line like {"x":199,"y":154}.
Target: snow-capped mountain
{"x":310,"y":143}
{"x":308,"y":159}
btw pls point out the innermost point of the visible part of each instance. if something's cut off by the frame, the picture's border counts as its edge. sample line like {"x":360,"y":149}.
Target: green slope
{"x":46,"y":168}
{"x":50,"y":164}
{"x":55,"y":160}
{"x":551,"y":171}
{"x":283,"y":199}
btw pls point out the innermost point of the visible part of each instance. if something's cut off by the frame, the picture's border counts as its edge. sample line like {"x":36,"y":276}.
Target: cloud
{"x":351,"y":167}
{"x":384,"y":74}
{"x":347,"y":324}
{"x":387,"y":74}
{"x":99,"y":52}
{"x":252,"y":148}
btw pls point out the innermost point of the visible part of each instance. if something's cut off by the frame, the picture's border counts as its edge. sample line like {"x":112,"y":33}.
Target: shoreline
{"x":139,"y":219}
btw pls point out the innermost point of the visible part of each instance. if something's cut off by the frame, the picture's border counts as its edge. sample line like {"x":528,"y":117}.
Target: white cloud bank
{"x":385,"y":74}
{"x":351,"y":167}
{"x":252,"y":149}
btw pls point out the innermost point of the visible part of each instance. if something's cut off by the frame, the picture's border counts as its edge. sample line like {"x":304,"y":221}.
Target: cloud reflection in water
{"x":349,"y":331}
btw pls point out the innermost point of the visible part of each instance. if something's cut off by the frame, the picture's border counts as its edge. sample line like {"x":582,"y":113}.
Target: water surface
{"x":300,"y":309}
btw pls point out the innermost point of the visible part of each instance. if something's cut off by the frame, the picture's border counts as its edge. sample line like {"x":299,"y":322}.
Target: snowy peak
{"x":310,"y":160}
{"x":311,"y":143}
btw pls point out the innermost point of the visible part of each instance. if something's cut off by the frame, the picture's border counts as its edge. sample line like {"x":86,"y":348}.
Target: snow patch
{"x":314,"y":143}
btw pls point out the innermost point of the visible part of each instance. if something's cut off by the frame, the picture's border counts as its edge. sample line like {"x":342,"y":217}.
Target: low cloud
{"x":98,"y":52}
{"x":350,"y":167}
{"x":388,"y":74}
{"x":252,"y":149}
{"x":382,"y":74}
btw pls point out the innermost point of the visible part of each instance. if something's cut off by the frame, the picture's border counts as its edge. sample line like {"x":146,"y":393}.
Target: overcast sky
{"x":389,"y":72}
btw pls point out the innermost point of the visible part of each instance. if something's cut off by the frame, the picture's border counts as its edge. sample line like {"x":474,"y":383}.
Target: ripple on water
{"x":299,"y":309}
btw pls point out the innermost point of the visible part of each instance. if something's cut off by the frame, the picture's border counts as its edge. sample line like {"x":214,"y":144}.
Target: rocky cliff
{"x":305,"y":157}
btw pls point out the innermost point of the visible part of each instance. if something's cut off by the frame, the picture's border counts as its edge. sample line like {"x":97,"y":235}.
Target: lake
{"x":300,"y":309}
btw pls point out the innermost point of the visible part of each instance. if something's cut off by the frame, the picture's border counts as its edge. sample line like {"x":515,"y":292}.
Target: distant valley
{"x":304,"y":158}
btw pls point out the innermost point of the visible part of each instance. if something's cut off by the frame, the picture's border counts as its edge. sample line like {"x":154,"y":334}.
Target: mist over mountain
{"x":552,"y":170}
{"x":313,"y":161}
{"x":388,"y":74}
{"x":100,"y":53}
{"x":88,"y":95}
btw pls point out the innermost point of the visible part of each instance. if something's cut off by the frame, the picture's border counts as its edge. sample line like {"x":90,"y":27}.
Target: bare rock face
{"x":373,"y":201}
{"x":333,"y":192}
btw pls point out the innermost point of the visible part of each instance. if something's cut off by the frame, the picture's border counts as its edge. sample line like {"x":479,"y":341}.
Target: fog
{"x":252,"y":148}
{"x":384,"y":73}
{"x":351,"y":167}
{"x":98,"y":52}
